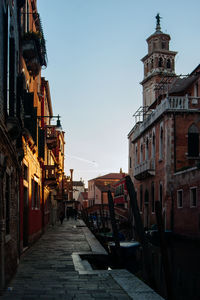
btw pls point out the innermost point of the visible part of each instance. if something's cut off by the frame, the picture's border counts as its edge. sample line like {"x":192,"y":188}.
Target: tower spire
{"x":158,"y":17}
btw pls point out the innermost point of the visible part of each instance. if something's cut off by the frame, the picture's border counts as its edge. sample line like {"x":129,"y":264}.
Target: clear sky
{"x":94,"y":49}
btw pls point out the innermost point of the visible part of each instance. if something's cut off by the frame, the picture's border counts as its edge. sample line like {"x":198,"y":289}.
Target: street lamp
{"x":58,"y":123}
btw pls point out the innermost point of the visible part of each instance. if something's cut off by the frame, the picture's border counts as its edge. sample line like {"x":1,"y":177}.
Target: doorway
{"x":25,"y":218}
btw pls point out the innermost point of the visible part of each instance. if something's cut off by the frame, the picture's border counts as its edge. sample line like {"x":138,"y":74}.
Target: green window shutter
{"x":41,"y":144}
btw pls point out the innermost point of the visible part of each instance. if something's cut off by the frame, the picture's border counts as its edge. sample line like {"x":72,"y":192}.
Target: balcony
{"x":51,"y":136}
{"x":34,"y":52}
{"x":145,"y":169}
{"x":174,"y":104}
{"x":50,"y":177}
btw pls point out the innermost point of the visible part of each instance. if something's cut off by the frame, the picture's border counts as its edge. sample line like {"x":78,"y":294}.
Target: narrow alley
{"x":48,"y":271}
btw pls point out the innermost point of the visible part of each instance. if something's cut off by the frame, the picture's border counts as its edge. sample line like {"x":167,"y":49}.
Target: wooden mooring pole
{"x":113,"y":222}
{"x":139,"y":228}
{"x":164,"y":252}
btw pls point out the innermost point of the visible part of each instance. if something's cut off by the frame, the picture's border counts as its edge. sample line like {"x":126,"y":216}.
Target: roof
{"x":78,"y":183}
{"x":181,"y":85}
{"x":112,"y":176}
{"x":105,"y":188}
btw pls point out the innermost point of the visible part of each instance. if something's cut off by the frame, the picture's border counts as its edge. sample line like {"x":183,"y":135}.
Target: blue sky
{"x":94,"y":49}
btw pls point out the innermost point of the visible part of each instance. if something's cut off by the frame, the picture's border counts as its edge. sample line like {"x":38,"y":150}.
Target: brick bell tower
{"x":158,"y":64}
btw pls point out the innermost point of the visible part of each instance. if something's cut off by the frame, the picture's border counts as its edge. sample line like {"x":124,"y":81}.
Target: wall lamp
{"x":58,"y":124}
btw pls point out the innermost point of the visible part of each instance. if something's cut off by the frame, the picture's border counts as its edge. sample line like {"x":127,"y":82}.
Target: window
{"x":193,"y":197}
{"x":141,"y":198}
{"x":161,"y":193}
{"x":161,"y":143}
{"x":168,"y":64}
{"x":147,"y":149}
{"x":196,"y":90}
{"x":163,"y":45}
{"x":152,"y":198}
{"x":180,"y":198}
{"x":26,"y":16}
{"x":147,"y":67}
{"x":25,"y":172}
{"x":152,"y":64}
{"x":35,"y":194}
{"x":153,"y":146}
{"x":141,"y":153}
{"x":136,"y":155}
{"x":7,"y":196}
{"x":160,"y":62}
{"x":130,"y":163}
{"x":193,"y":141}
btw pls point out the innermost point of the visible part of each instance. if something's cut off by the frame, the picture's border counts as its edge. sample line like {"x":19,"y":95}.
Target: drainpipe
{"x":42,"y":164}
{"x":3,"y":162}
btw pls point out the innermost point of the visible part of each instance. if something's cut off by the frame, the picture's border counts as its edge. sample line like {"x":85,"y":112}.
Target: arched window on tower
{"x":168,"y":64}
{"x":152,"y":63}
{"x":193,"y":141}
{"x":160,"y":62}
{"x":147,"y":68}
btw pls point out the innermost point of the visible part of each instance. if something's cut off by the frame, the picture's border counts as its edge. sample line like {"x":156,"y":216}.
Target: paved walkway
{"x":52,"y":269}
{"x":47,"y":271}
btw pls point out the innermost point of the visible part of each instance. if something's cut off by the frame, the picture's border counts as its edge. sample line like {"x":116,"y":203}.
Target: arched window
{"x":168,"y":64}
{"x":193,"y":141}
{"x":161,"y":143}
{"x":160,"y":62}
{"x":141,"y":153}
{"x":153,"y":145}
{"x":141,"y":197}
{"x":152,"y":64}
{"x":147,"y":149}
{"x":136,"y":155}
{"x":161,"y":193}
{"x":152,"y":198}
{"x":147,"y":68}
{"x":146,"y":197}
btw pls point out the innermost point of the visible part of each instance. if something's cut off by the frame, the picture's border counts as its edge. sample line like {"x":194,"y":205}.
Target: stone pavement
{"x":48,"y":270}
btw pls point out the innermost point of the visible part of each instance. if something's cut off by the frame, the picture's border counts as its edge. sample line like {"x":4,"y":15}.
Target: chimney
{"x":71,"y":185}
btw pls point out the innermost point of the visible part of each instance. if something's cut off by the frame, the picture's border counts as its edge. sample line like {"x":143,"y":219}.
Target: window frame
{"x":193,"y":141}
{"x":178,"y":193}
{"x":191,"y":200}
{"x":152,"y":198}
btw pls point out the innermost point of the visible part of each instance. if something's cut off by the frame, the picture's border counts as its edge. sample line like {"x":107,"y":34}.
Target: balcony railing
{"x":51,"y":136}
{"x":176,"y":104}
{"x":145,"y":169}
{"x":50,"y":176}
{"x":34,"y":52}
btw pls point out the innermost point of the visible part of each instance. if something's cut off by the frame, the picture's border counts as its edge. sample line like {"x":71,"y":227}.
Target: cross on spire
{"x":158,"y":17}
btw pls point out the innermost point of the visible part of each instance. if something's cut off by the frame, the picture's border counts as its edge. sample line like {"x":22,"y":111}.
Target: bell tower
{"x":158,"y":63}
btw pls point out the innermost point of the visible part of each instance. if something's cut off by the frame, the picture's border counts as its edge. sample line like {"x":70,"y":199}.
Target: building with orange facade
{"x":31,"y":148}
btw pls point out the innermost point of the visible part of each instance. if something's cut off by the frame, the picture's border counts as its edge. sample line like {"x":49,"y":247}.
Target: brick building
{"x":98,"y":188}
{"x":164,"y":142}
{"x":31,"y":148}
